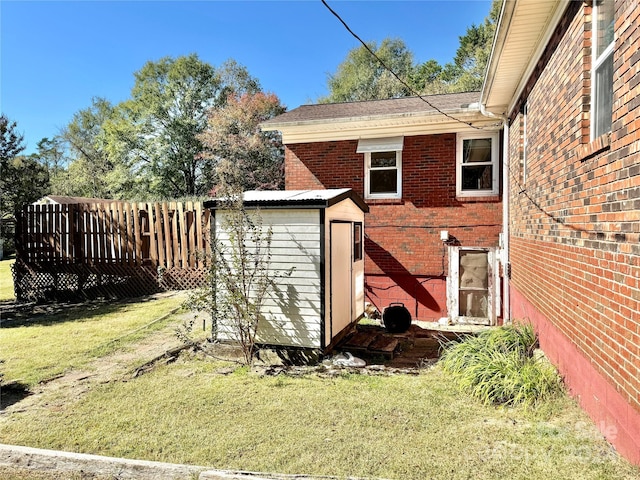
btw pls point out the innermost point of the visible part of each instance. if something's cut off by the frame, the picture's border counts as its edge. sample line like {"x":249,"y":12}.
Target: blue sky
{"x":56,"y":55}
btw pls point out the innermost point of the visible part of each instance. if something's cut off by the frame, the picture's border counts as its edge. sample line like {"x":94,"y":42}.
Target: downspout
{"x":504,"y":244}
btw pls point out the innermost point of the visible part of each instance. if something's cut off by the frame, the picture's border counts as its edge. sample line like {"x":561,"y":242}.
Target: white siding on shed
{"x":293,"y":311}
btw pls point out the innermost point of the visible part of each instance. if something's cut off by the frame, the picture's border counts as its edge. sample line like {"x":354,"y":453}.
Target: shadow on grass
{"x":12,"y":393}
{"x":57,"y":313}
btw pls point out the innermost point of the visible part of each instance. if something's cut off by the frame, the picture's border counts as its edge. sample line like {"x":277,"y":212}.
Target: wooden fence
{"x":110,"y":248}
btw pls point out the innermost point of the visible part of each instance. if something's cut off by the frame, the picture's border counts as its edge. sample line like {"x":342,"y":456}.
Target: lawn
{"x":6,"y":280}
{"x":400,"y":427}
{"x":206,"y":412}
{"x":46,"y":345}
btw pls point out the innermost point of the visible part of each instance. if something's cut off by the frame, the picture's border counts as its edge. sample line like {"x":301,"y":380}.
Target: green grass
{"x":45,"y":346}
{"x":193,"y":411}
{"x":501,"y":366}
{"x":398,"y":427}
{"x":6,"y":280}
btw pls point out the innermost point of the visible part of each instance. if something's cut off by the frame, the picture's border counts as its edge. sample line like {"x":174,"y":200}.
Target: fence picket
{"x":175,"y":240}
{"x":160,"y":235}
{"x":183,"y":235}
{"x":153,"y":250}
{"x":137,"y":226}
{"x":167,"y":235}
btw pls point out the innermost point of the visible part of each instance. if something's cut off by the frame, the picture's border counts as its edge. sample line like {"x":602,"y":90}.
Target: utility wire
{"x":388,"y":69}
{"x":513,"y":176}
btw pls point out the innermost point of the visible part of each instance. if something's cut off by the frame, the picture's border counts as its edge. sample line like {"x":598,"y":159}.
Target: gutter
{"x":504,"y":244}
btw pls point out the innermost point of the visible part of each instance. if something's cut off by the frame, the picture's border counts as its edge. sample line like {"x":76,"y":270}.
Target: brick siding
{"x":575,"y":222}
{"x":405,"y":259}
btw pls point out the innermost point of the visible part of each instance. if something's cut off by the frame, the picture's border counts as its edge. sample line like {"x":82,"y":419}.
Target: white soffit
{"x":523,"y":32}
{"x":404,"y":126}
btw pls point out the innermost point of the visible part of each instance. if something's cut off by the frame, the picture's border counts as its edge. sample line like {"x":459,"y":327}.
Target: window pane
{"x":604,"y":96}
{"x":473,"y":282}
{"x":383,"y":159}
{"x":357,"y":241}
{"x":474,"y":304}
{"x":477,"y":177}
{"x":383,"y":181}
{"x":604,"y":25}
{"x":476,"y":150}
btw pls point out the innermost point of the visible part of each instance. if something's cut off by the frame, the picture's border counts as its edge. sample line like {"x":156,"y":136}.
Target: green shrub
{"x":501,"y":366}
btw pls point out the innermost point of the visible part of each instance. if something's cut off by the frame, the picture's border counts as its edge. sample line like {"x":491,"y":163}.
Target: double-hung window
{"x":602,"y":67}
{"x":382,"y":167}
{"x":477,"y":164}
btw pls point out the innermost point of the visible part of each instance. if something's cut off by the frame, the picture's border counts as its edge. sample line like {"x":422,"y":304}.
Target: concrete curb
{"x":37,"y":459}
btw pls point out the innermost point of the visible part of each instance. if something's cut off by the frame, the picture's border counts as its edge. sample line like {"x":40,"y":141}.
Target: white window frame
{"x":495,"y":155}
{"x":367,"y":176}
{"x":369,"y":146}
{"x":596,"y":62}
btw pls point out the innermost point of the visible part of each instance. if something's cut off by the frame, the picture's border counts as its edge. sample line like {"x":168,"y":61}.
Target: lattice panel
{"x":63,"y":282}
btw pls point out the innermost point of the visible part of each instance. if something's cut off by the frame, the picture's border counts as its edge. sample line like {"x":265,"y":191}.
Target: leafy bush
{"x":501,"y":366}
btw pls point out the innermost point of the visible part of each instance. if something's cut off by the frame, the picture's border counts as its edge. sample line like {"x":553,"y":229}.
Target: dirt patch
{"x":120,"y":365}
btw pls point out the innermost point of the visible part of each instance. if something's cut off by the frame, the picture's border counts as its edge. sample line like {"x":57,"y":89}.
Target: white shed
{"x":320,"y":233}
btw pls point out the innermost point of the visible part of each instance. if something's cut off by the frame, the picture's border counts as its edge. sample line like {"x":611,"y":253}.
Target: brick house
{"x":565,"y":78}
{"x":432,"y":183}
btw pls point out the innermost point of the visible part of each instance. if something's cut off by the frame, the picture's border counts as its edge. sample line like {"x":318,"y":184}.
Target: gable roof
{"x":379,"y":118}
{"x":522,"y":33}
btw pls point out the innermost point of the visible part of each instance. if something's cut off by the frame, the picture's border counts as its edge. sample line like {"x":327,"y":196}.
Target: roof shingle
{"x":395,"y":106}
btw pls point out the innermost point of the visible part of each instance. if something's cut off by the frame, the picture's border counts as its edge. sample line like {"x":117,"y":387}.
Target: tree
{"x":99,"y":167}
{"x":11,"y":141}
{"x":149,"y":146}
{"x":160,"y":126}
{"x":473,"y":53}
{"x":239,"y":279}
{"x":51,"y":155}
{"x":362,"y":77}
{"x":425,"y":78}
{"x":240,"y":153}
{"x":11,"y":144}
{"x":25,"y":180}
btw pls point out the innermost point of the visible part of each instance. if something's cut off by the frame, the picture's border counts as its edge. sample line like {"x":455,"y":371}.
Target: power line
{"x":511,"y":174}
{"x":388,"y":69}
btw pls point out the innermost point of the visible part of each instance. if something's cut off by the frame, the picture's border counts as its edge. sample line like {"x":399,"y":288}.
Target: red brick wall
{"x":575,"y":223}
{"x":405,"y":259}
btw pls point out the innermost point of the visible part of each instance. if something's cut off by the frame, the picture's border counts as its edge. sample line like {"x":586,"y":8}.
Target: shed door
{"x":341,"y":288}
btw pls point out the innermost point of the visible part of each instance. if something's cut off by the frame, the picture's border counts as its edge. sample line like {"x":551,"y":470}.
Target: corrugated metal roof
{"x":295,"y":198}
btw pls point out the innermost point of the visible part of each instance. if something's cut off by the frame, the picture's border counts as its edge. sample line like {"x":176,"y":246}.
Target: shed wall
{"x":345,"y":211}
{"x":293,"y":311}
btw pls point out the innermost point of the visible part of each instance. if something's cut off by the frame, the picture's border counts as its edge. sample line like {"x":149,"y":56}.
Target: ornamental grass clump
{"x":502,"y":366}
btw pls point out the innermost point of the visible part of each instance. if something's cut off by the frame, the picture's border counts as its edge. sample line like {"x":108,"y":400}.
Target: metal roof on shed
{"x":294,"y":199}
